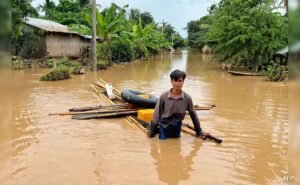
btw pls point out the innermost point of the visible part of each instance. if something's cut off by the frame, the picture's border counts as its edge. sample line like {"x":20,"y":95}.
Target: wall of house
{"x":65,"y":44}
{"x":41,"y":46}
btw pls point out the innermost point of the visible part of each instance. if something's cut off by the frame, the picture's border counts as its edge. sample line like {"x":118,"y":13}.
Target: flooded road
{"x":251,"y":116}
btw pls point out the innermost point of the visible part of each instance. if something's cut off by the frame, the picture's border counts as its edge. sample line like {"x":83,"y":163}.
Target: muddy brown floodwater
{"x":251,"y":116}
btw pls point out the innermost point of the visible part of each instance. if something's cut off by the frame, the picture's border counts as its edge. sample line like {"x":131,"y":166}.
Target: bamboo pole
{"x":188,"y":131}
{"x":104,"y":115}
{"x":129,"y":123}
{"x":92,"y":112}
{"x":137,"y":123}
{"x":114,"y":90}
{"x":112,"y":103}
{"x":99,"y":94}
{"x":98,"y":107}
{"x":101,"y":83}
{"x":209,"y":136}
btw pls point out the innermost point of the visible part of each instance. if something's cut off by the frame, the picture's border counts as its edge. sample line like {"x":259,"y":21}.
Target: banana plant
{"x":145,"y":38}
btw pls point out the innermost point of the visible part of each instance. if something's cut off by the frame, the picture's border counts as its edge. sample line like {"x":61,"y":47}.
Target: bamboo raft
{"x":119,"y":108}
{"x":132,"y":120}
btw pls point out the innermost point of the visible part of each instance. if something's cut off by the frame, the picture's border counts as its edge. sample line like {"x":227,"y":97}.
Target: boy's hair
{"x":176,"y":74}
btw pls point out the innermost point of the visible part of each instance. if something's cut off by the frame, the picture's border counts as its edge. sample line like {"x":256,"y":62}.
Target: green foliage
{"x":102,"y":64}
{"x":30,"y":40}
{"x":246,"y":33}
{"x":17,"y":63}
{"x":20,"y":10}
{"x":77,"y":69}
{"x":197,"y":31}
{"x":121,"y":51}
{"x":109,"y":24}
{"x":103,"y":51}
{"x":48,"y":7}
{"x":136,"y":16}
{"x":275,"y":72}
{"x":145,"y":39}
{"x":67,"y":12}
{"x":57,"y":74}
{"x":62,"y":63}
{"x":146,"y":18}
{"x":243,"y":33}
{"x":49,"y":62}
{"x":168,"y":31}
{"x":178,"y":41}
{"x":294,"y":29}
{"x":122,"y":38}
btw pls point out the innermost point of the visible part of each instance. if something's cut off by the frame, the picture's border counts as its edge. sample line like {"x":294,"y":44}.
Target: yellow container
{"x":146,"y":114}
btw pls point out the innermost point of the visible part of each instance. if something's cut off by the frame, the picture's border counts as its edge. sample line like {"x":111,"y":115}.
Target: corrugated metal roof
{"x":51,"y":26}
{"x":46,"y":25}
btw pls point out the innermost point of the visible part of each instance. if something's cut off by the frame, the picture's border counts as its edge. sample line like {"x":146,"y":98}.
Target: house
{"x":56,"y":40}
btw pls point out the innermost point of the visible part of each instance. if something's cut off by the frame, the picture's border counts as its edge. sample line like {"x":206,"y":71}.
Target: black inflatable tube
{"x":131,"y":96}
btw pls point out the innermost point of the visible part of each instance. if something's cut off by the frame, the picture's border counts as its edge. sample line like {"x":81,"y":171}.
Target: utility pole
{"x":94,"y":36}
{"x":162,"y":27}
{"x":162,"y":32}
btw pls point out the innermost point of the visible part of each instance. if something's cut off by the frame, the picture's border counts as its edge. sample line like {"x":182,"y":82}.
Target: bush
{"x":77,"y":68}
{"x":58,"y":63}
{"x":63,"y":62}
{"x":101,"y":64}
{"x":49,"y":62}
{"x":57,"y":74}
{"x":121,"y":51}
{"x":275,"y":72}
{"x":103,"y":51}
{"x":17,"y":63}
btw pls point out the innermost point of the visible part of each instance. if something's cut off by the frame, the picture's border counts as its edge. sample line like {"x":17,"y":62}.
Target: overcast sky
{"x":176,"y":12}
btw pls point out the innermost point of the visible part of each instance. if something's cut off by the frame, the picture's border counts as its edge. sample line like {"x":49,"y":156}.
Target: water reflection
{"x":172,"y":163}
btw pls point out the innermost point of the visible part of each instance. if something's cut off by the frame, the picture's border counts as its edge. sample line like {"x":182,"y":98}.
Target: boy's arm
{"x":194,"y":117}
{"x":155,"y":119}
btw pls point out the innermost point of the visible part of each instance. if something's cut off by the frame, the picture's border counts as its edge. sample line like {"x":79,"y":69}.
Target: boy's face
{"x":177,"y":84}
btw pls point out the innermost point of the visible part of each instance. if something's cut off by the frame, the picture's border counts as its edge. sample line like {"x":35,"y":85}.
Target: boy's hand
{"x":204,"y":135}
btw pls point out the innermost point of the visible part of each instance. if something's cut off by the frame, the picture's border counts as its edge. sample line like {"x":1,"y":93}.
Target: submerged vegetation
{"x":242,"y":33}
{"x":57,"y":74}
{"x":62,"y":69}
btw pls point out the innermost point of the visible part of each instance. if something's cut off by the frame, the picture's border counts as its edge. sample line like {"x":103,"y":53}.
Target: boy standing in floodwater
{"x":171,"y":108}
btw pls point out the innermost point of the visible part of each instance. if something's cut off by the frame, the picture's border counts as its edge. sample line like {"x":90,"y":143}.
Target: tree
{"x":197,"y":31}
{"x":178,"y":41}
{"x":146,"y":18}
{"x":67,"y":12}
{"x":134,"y":15}
{"x":20,"y":10}
{"x":169,"y":30}
{"x":84,"y":3}
{"x":48,"y":8}
{"x":247,"y":33}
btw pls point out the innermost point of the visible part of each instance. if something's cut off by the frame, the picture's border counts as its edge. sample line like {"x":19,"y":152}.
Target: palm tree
{"x":48,"y":8}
